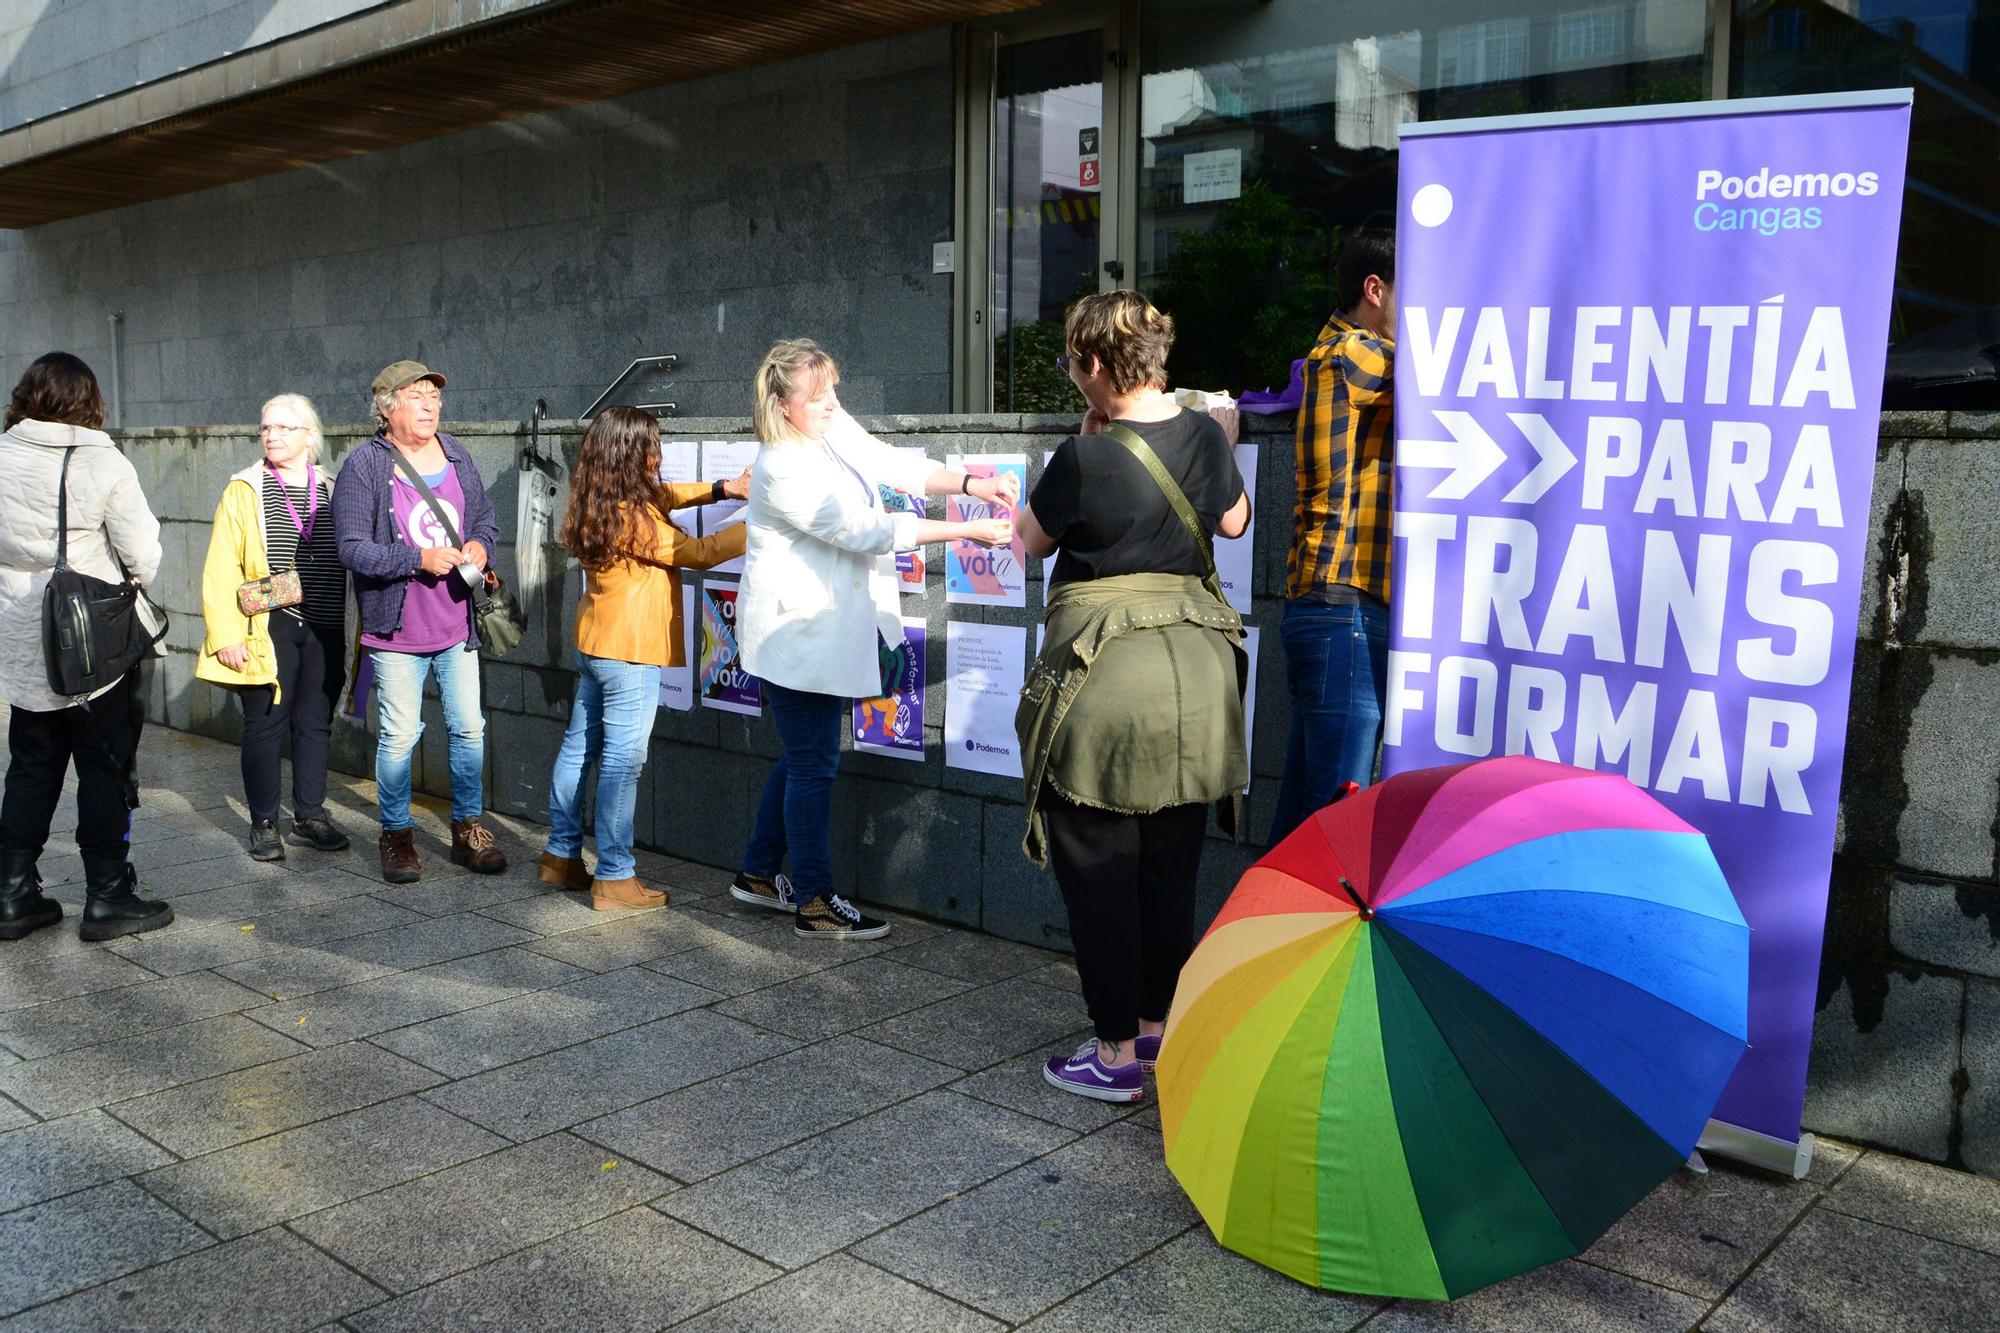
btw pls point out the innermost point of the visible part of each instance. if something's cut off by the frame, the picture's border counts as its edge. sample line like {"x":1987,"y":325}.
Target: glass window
{"x":1268,"y":130}
{"x":1949,"y":52}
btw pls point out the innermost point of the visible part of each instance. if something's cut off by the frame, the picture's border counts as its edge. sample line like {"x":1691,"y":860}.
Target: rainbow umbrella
{"x":1453,"y":1027}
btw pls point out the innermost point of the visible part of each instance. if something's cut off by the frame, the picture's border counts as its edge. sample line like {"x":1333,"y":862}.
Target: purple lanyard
{"x":305,"y":525}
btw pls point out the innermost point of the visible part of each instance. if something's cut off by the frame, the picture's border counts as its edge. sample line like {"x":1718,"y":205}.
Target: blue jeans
{"x":1336,"y":667}
{"x":399,"y":704}
{"x":798,"y":795}
{"x":612,"y":721}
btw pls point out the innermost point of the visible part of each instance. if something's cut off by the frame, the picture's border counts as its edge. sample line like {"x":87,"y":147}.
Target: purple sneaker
{"x":1148,"y":1050}
{"x":1087,"y":1076}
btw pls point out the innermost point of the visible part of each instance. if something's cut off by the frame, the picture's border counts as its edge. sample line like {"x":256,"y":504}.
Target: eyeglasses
{"x":1062,"y":362}
{"x":274,"y":429}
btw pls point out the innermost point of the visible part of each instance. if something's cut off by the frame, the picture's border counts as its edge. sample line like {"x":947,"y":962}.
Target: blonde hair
{"x":301,"y":406}
{"x":791,"y":366}
{"x":1126,"y":333}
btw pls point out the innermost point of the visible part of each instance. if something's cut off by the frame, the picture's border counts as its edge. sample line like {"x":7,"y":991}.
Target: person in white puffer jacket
{"x":56,"y":407}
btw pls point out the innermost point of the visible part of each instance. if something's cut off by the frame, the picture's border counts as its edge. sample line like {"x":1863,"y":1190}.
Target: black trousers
{"x":102,"y":739}
{"x":311,"y":672}
{"x":1128,"y":881}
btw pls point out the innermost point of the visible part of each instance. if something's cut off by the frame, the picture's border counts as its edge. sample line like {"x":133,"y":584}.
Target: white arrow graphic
{"x":1470,"y":453}
{"x":1553,"y":458}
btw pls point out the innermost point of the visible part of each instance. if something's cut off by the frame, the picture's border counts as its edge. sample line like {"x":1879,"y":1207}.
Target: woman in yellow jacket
{"x":288,"y":664}
{"x":627,"y":629}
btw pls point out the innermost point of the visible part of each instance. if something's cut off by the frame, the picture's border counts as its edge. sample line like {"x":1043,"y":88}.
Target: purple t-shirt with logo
{"x":435,"y":616}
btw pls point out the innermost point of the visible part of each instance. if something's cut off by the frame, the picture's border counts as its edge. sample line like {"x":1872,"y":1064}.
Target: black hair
{"x":1369,"y":251}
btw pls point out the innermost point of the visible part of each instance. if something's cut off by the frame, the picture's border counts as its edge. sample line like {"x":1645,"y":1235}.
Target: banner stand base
{"x":1763,"y":1151}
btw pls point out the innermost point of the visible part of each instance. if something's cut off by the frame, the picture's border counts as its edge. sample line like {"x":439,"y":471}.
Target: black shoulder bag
{"x":499,"y":622}
{"x":93,"y":631}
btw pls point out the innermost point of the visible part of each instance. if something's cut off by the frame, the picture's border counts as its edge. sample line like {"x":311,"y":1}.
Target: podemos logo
{"x":1768,"y":219}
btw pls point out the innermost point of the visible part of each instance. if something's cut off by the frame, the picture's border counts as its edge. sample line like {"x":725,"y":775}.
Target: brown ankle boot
{"x":472,"y":846}
{"x":567,"y":872}
{"x":400,"y":862}
{"x":608,"y":895}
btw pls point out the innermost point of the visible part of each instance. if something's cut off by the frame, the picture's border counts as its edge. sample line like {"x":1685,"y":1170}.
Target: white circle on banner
{"x":1431,"y":205}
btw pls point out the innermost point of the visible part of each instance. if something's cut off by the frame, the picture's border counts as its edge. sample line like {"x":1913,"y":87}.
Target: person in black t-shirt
{"x":1120,"y":780}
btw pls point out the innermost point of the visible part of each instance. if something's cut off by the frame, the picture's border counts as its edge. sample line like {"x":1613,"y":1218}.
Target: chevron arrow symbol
{"x":1552,"y":458}
{"x":1470,"y":453}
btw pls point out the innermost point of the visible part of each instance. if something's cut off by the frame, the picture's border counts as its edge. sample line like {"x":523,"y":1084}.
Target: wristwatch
{"x":716,"y":495}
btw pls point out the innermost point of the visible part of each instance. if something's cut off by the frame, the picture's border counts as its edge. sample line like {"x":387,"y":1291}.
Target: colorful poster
{"x":894,"y":724}
{"x":910,"y":565}
{"x":677,"y":683}
{"x":1234,"y":555}
{"x":1636,"y":419}
{"x":723,"y":683}
{"x":974,"y":575}
{"x":987,"y":665}
{"x":723,"y":460}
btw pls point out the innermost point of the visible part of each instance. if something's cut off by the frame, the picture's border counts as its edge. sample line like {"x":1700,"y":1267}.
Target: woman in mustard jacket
{"x":287,"y":665}
{"x":627,"y":629}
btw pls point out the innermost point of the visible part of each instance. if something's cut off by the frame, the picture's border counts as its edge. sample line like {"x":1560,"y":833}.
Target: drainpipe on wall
{"x":117,"y":318}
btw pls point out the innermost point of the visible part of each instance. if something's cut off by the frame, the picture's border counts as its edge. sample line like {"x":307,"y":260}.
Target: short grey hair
{"x":385,"y":402}
{"x":300,"y":406}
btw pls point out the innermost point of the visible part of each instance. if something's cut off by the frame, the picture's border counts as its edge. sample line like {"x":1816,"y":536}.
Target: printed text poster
{"x":986,"y":665}
{"x":723,"y":460}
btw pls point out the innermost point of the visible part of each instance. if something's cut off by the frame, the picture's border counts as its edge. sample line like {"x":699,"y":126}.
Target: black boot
{"x":112,"y":905}
{"x":23,"y":909}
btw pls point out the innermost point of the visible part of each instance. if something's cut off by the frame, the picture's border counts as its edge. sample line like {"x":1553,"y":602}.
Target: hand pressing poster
{"x":723,"y":682}
{"x":974,"y":575}
{"x":894,"y":724}
{"x":987,"y":666}
{"x":723,"y":460}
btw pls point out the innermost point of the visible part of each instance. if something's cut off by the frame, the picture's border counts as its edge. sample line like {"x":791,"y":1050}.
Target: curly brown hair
{"x":58,"y":387}
{"x":614,"y":489}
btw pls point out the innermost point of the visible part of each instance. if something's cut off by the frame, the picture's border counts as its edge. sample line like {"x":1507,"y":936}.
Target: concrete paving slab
{"x":28,"y":980}
{"x":842,"y":998}
{"x":980,"y":1028}
{"x":1045,"y":1231}
{"x":12,"y":1114}
{"x":102,"y":1016}
{"x":401,"y":948}
{"x":119,"y":1070}
{"x":57,"y":1157}
{"x":979,"y":959}
{"x":251,"y":1103}
{"x":271,"y":1180}
{"x":557,"y":913}
{"x":421,"y":1232}
{"x":641,"y":938}
{"x":271,"y":1282}
{"x":500,"y":1034}
{"x":1191,"y":1282}
{"x":467,"y":893}
{"x":323,"y":923}
{"x":1839,"y":1272}
{"x":738,"y":964}
{"x":1932,"y":1201}
{"x":269,"y":896}
{"x":636,"y":1270}
{"x":400,"y":999}
{"x":807,"y":1201}
{"x":67,"y":1244}
{"x":195,"y":947}
{"x":840,"y":1294}
{"x":712,"y":1126}
{"x":1565,"y":1295}
{"x":564,"y":1088}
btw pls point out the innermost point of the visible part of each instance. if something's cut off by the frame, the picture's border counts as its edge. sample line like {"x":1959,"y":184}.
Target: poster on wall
{"x":1634,"y":464}
{"x":723,"y":682}
{"x":894,"y":724}
{"x":910,"y":565}
{"x":986,"y":665}
{"x":680,"y":462}
{"x":724,"y":460}
{"x":1234,"y":556}
{"x":973,"y":574}
{"x":1250,"y":705}
{"x":677,"y":683}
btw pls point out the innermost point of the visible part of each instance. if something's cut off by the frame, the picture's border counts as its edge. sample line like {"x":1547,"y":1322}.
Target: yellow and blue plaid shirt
{"x":1346,"y":465}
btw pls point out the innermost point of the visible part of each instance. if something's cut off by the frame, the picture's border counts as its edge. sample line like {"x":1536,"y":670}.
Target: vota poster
{"x":975,"y":575}
{"x":720,"y":678}
{"x":1638,"y":382}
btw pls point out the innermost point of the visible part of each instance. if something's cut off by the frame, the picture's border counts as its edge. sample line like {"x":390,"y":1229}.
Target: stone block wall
{"x":1909,"y":1011}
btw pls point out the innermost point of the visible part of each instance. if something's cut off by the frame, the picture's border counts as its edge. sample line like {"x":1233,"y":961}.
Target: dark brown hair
{"x":1125,"y":333}
{"x":611,"y":498}
{"x":57,"y":387}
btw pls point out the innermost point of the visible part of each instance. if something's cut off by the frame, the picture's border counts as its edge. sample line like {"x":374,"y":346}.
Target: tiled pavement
{"x":320,"y":1101}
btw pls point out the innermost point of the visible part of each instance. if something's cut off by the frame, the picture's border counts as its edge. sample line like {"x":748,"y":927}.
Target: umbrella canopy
{"x":1453,"y":1027}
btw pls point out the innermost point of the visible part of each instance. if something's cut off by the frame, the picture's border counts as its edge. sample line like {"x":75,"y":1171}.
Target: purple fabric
{"x":1264,"y":403}
{"x":1636,"y":420}
{"x":435,"y":613}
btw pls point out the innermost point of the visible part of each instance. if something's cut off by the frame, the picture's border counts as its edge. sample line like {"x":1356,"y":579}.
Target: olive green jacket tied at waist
{"x":1136,"y":701}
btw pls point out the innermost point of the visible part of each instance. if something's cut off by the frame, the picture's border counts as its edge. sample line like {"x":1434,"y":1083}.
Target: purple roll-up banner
{"x":1638,"y":383}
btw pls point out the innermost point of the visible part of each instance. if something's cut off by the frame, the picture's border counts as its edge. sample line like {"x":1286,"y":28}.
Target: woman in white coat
{"x":112,"y":535}
{"x":818,"y":604}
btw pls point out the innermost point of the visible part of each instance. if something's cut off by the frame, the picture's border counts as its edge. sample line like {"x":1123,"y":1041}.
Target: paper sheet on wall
{"x":1250,"y":705}
{"x":974,"y":575}
{"x":910,"y":565}
{"x":680,"y":462}
{"x":677,"y":683}
{"x":722,"y":460}
{"x":986,"y":665}
{"x":1211,"y":177}
{"x":1233,"y":555}
{"x":894,"y":724}
{"x":720,"y":678}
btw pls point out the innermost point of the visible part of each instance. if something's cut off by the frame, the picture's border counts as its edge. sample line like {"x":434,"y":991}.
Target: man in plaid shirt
{"x":1336,"y":626}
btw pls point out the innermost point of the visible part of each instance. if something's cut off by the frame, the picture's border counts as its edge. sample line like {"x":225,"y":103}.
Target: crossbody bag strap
{"x":62,"y":511}
{"x":1176,"y":498}
{"x":416,"y":479}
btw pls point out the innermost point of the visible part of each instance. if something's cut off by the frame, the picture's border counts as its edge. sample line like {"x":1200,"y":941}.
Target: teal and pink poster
{"x":975,"y":575}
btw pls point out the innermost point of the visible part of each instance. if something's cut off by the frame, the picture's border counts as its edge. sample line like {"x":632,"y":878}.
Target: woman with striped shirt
{"x":287,"y":664}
